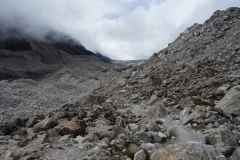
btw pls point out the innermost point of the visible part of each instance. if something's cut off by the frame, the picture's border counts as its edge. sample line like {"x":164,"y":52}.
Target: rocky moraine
{"x":182,"y":103}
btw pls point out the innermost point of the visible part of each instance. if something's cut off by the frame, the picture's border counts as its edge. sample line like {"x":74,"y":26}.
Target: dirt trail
{"x":184,"y":133}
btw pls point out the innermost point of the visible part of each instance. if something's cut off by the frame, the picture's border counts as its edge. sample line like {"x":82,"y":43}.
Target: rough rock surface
{"x":172,"y":106}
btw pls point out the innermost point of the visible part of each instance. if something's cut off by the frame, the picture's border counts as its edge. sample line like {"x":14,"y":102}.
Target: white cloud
{"x":120,"y":29}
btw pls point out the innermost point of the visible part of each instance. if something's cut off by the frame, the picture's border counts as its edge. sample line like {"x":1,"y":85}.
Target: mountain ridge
{"x":25,"y":57}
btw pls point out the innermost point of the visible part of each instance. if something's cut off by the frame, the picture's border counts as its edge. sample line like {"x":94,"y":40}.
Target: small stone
{"x":159,"y":121}
{"x":92,"y":137}
{"x":132,"y":128}
{"x":65,"y":138}
{"x":152,"y":126}
{"x":184,"y":112}
{"x":211,"y":113}
{"x":120,"y":122}
{"x":216,"y":125}
{"x":193,"y":115}
{"x":22,"y":143}
{"x":224,"y":88}
{"x":222,"y":121}
{"x":161,"y":135}
{"x":79,"y":139}
{"x":141,"y":136}
{"x":149,"y":146}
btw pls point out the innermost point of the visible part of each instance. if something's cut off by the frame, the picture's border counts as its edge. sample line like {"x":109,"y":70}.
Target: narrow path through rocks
{"x":183,"y":133}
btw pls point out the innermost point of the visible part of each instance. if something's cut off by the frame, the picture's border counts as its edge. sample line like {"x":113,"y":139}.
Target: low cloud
{"x":121,"y":29}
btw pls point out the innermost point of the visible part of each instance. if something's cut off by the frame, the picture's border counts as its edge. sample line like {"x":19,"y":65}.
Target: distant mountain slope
{"x":102,"y":57}
{"x":24,"y":56}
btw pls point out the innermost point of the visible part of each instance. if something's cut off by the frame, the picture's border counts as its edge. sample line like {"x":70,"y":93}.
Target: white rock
{"x":64,"y":138}
{"x":131,"y":127}
{"x":223,"y":88}
{"x":79,"y":139}
{"x":160,"y":134}
{"x":149,"y":146}
{"x":184,"y":112}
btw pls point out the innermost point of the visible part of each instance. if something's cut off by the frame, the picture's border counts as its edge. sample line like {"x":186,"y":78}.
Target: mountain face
{"x":182,"y":103}
{"x":28,"y":57}
{"x":104,"y":58}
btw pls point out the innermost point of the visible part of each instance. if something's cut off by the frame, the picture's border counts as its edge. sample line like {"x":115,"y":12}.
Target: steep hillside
{"x":106,"y":59}
{"x":24,"y":56}
{"x":182,"y":103}
{"x":39,"y":74}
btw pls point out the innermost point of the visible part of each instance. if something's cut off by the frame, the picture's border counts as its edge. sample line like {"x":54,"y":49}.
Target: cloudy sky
{"x":119,"y":29}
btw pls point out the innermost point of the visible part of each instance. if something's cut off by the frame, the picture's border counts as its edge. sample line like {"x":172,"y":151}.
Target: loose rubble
{"x":182,"y":103}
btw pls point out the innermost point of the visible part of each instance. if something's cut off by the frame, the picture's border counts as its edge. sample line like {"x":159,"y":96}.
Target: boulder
{"x":228,"y":137}
{"x":192,"y":116}
{"x":74,"y":128}
{"x":236,"y":154}
{"x":134,"y":148}
{"x":32,"y":147}
{"x":223,"y":88}
{"x":153,"y":126}
{"x":16,"y":122}
{"x":110,"y":132}
{"x":140,"y":155}
{"x":188,"y":151}
{"x":45,"y":124}
{"x":31,"y":122}
{"x":60,"y":115}
{"x":200,"y":101}
{"x":230,"y":102}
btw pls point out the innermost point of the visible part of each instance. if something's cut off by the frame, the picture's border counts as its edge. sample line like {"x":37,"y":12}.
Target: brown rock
{"x":72,"y":127}
{"x":31,"y":122}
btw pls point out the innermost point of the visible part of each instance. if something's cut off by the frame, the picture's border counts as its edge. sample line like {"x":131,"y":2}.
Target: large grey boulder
{"x":230,"y":102}
{"x":192,"y":116}
{"x":227,"y":137}
{"x":140,"y":155}
{"x":236,"y":154}
{"x":188,"y":151}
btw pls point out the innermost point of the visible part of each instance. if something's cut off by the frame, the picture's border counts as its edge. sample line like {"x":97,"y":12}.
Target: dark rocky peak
{"x":11,"y":39}
{"x":15,"y":44}
{"x":28,"y":56}
{"x":16,"y":40}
